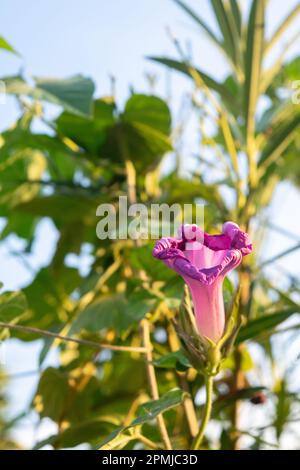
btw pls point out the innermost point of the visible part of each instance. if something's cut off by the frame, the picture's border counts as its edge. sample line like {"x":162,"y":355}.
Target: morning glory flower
{"x":203,"y":261}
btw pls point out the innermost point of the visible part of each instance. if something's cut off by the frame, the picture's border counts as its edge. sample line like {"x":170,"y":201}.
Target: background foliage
{"x":95,"y":151}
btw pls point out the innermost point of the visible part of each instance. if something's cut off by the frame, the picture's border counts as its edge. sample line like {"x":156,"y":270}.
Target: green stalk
{"x":206,"y":413}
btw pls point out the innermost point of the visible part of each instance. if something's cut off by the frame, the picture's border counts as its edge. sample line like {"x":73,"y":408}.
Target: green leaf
{"x":283,"y":407}
{"x":175,"y":360}
{"x":227,"y":29}
{"x":88,"y":431}
{"x":263,"y":325}
{"x":88,"y":133}
{"x":141,"y":133}
{"x":48,"y":295}
{"x":236,"y":13}
{"x":149,"y":411}
{"x":114,"y":311}
{"x":74,"y":94}
{"x":253,"y":61}
{"x":52,"y":394}
{"x":148,"y":110}
{"x":6,"y":46}
{"x":226,"y":401}
{"x":12,"y":306}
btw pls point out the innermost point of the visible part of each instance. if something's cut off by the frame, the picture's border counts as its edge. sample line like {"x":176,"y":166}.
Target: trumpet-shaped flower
{"x":203,"y":261}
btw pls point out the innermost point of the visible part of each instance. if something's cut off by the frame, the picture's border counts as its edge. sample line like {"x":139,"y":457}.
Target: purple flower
{"x":203,"y":261}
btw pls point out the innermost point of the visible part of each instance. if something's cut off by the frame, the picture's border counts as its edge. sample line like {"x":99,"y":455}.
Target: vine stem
{"x":206,"y":413}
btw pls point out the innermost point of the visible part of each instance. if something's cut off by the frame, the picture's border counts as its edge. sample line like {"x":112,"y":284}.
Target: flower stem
{"x":206,"y":413}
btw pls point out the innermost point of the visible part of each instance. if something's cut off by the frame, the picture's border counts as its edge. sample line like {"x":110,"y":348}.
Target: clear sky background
{"x":60,"y":38}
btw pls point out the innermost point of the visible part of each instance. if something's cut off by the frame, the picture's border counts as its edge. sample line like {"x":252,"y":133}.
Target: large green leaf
{"x":148,"y":110}
{"x":73,"y":94}
{"x":140,"y":133}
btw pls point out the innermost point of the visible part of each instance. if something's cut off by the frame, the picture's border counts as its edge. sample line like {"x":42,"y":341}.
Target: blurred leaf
{"x":253,"y":61}
{"x":283,"y":407}
{"x":200,"y":22}
{"x":140,"y":133}
{"x":12,"y":306}
{"x":148,"y":110}
{"x":74,"y":94}
{"x":228,"y":400}
{"x":228,"y":32}
{"x":88,"y":431}
{"x":208,"y":80}
{"x":88,"y":133}
{"x":48,"y":297}
{"x":175,"y":360}
{"x":6,"y":46}
{"x":247,"y":363}
{"x":114,"y":311}
{"x":236,"y":14}
{"x":263,"y":325}
{"x":52,"y":394}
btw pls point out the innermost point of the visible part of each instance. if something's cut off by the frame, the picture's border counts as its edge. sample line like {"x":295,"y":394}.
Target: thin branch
{"x":280,"y":255}
{"x":283,"y":231}
{"x":153,"y":382}
{"x":84,"y":342}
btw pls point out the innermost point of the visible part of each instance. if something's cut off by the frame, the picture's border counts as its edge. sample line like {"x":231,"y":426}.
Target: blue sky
{"x":59,"y":38}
